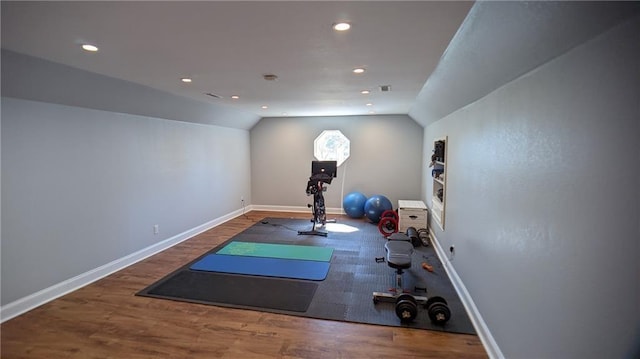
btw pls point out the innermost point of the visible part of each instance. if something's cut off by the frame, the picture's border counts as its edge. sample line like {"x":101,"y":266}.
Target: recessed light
{"x":369,"y":104}
{"x":235,"y":97}
{"x":89,"y":47}
{"x":264,"y":107}
{"x":365,"y":92}
{"x":186,"y":80}
{"x":341,"y":26}
{"x":358,"y":70}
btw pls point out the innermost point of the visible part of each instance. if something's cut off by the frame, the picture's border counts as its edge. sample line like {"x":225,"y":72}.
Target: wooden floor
{"x":106,"y":320}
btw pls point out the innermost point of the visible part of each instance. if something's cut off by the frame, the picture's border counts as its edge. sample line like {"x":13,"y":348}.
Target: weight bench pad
{"x":399,"y":237}
{"x":399,"y":254}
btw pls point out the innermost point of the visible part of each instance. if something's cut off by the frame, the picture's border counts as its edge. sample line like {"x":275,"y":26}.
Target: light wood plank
{"x":106,"y":320}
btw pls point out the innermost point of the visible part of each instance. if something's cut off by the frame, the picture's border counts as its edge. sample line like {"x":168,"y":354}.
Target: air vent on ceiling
{"x":270,"y":77}
{"x":213,"y":95}
{"x":385,"y":88}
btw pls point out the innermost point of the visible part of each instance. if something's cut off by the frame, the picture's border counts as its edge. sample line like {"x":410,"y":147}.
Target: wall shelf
{"x":439,"y":175}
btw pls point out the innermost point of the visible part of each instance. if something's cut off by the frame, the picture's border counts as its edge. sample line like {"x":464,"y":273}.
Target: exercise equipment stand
{"x":399,"y":251}
{"x":316,"y":187}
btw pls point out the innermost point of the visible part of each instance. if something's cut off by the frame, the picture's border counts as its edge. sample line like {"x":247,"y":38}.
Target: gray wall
{"x":82,"y":187}
{"x":543,"y":203}
{"x":386,"y":157}
{"x":37,"y":79}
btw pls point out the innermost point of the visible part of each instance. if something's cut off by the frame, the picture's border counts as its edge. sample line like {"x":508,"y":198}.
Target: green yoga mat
{"x":282,"y":251}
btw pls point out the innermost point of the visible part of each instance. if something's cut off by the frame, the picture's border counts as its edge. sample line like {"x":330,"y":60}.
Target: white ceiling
{"x":227,"y":47}
{"x":437,"y":56}
{"x":500,"y":41}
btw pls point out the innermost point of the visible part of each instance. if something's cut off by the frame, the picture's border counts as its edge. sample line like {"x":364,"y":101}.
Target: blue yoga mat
{"x":263,"y":266}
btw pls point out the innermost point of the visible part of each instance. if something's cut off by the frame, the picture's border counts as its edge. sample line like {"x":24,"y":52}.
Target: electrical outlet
{"x":156,"y":229}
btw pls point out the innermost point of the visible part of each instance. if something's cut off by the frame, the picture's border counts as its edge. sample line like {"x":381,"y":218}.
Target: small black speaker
{"x":438,"y":151}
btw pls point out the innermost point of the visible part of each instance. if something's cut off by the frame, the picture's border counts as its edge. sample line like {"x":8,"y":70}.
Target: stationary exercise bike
{"x":321,"y":172}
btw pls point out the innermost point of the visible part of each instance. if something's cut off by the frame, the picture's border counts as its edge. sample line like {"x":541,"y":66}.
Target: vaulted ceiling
{"x":227,"y":48}
{"x":434,"y":56}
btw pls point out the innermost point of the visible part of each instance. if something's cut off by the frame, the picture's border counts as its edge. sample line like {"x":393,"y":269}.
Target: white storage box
{"x":411,"y":214}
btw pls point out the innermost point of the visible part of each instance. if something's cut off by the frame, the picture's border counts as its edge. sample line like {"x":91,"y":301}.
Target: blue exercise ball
{"x":375,"y":206}
{"x":353,"y":204}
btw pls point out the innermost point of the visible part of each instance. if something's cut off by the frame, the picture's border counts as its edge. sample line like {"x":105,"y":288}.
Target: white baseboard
{"x":484,"y":334}
{"x":259,"y":207}
{"x":43,"y":296}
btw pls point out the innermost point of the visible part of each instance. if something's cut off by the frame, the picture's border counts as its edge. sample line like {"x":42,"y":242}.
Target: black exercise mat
{"x":239,"y":290}
{"x":347,"y":292}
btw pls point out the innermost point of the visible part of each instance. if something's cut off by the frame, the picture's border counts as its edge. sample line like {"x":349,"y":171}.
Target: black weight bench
{"x":398,"y":253}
